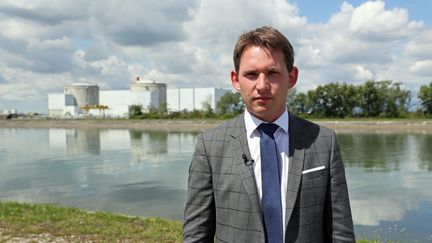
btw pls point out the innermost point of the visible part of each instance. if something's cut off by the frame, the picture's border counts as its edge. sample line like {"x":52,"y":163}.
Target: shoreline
{"x":384,"y":126}
{"x":42,"y":222}
{"x":156,"y":125}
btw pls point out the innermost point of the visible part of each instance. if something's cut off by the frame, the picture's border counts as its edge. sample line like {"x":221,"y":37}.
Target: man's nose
{"x":262,"y":82}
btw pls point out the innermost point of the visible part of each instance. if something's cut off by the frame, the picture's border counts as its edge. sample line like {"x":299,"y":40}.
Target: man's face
{"x":263,"y":80}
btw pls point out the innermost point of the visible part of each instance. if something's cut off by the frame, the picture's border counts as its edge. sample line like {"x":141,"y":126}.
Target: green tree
{"x":298,"y":103}
{"x":163,"y":108}
{"x":332,"y":100}
{"x":383,"y":99}
{"x":230,"y":104}
{"x":372,"y":99}
{"x":152,"y":113}
{"x":398,"y":100}
{"x":135,"y":112}
{"x":425,"y":96}
{"x":208,"y":111}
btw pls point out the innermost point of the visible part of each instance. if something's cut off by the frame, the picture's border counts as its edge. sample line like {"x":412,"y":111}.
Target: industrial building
{"x":84,"y":99}
{"x":190,"y":99}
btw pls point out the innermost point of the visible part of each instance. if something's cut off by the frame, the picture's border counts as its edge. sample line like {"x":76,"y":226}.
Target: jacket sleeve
{"x":199,"y":215}
{"x":338,"y":224}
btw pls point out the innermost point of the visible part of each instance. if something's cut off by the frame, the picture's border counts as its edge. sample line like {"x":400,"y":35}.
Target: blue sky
{"x":45,"y":45}
{"x":418,"y":9}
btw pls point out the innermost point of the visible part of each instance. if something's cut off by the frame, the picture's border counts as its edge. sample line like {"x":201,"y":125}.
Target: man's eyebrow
{"x":247,"y":71}
{"x":273,"y":68}
{"x":254,"y":70}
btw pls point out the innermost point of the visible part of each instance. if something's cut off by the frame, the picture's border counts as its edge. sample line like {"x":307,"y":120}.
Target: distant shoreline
{"x":163,"y":125}
{"x":385,"y":126}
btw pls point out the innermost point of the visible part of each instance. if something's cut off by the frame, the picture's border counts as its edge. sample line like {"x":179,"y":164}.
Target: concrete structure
{"x":190,"y":99}
{"x":82,"y":94}
{"x":158,"y":89}
{"x":74,"y":100}
{"x":119,"y":101}
{"x":56,"y":105}
{"x":83,"y":99}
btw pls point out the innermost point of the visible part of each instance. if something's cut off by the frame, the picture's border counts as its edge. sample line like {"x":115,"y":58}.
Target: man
{"x":249,"y":184}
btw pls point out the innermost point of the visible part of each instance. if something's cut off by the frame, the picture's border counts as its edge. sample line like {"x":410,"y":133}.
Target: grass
{"x":24,"y":220}
{"x":28,"y":221}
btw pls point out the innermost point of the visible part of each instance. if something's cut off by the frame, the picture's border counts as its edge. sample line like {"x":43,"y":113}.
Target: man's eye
{"x":250,"y":75}
{"x":273,"y":73}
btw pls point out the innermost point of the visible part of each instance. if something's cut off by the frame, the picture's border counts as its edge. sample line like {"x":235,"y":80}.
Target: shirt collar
{"x":251,"y":122}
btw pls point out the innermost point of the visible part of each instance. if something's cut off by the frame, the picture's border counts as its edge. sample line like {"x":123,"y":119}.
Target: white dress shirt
{"x":282,"y":141}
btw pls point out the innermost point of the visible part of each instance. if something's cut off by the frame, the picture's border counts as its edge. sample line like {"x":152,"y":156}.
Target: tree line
{"x":386,"y":99}
{"x":377,"y":99}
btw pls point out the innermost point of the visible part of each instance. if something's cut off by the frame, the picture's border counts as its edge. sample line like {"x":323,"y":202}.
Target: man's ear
{"x":293,"y":77}
{"x":234,"y":80}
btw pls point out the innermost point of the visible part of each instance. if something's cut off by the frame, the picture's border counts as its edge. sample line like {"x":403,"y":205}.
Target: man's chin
{"x":261,"y":113}
{"x":261,"y":110}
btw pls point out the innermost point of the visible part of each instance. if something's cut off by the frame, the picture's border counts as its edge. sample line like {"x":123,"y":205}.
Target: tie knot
{"x":268,"y":128}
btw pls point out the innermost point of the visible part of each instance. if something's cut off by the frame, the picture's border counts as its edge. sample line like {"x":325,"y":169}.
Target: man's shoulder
{"x":225,"y":128}
{"x":309,"y":126}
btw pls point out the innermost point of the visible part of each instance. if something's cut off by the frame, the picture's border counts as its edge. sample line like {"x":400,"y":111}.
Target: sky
{"x":45,"y":45}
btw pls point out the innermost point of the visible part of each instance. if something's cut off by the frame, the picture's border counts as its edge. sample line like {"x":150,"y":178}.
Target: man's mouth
{"x":262,"y":99}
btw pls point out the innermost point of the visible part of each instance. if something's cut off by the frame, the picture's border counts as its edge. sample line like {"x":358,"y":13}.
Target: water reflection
{"x":372,"y":152}
{"x":144,"y":173}
{"x":125,"y":171}
{"x":144,"y":145}
{"x":425,"y":152}
{"x":75,"y":141}
{"x":83,"y":140}
{"x":388,"y":177}
{"x":148,"y":145}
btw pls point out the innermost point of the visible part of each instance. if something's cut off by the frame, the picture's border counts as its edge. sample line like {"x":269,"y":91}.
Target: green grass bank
{"x":22,"y":222}
{"x":41,"y":222}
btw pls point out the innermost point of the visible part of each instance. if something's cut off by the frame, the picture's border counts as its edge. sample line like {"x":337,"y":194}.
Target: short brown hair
{"x":265,"y":37}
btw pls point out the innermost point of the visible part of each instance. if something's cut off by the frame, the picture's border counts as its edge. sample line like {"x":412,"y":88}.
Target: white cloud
{"x":387,"y":201}
{"x":363,"y":43}
{"x":141,"y":23}
{"x":363,"y":73}
{"x":14,"y":29}
{"x":371,"y":214}
{"x":419,"y":46}
{"x":422,"y":68}
{"x":15,"y":92}
{"x":373,"y":22}
{"x":190,"y":43}
{"x":2,"y":79}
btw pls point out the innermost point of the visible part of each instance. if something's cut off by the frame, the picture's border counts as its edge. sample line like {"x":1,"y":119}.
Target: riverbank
{"x":161,"y":125}
{"x":365,"y":125}
{"x":47,"y":223}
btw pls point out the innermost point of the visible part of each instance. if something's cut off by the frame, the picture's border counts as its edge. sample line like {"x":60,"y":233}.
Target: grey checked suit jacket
{"x":222,"y":201}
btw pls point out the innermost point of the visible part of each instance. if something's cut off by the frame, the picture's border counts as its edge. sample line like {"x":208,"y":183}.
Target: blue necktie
{"x":271,"y":194}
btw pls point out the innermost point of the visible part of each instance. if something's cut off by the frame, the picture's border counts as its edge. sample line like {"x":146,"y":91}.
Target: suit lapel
{"x":296,"y":159}
{"x":239,"y":147}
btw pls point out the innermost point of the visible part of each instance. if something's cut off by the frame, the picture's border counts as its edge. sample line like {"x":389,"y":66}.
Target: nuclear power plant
{"x":85,"y":99}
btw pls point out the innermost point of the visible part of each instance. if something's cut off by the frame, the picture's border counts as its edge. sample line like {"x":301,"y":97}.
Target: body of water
{"x":145,"y":173}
